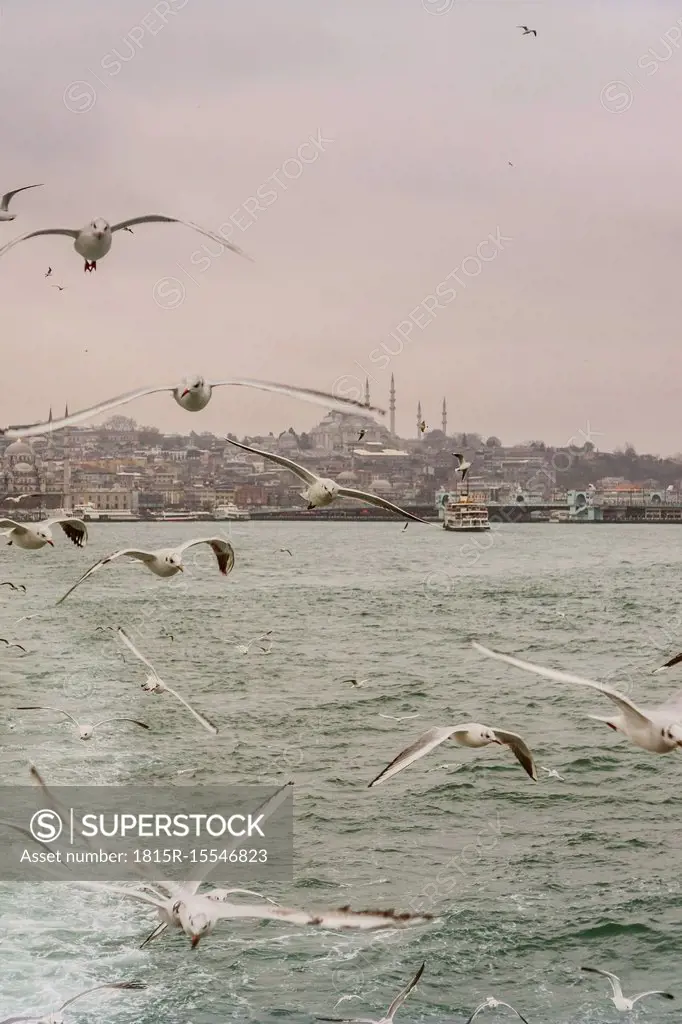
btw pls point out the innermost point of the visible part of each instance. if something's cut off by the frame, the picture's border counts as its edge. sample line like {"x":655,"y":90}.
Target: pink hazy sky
{"x":194,"y":108}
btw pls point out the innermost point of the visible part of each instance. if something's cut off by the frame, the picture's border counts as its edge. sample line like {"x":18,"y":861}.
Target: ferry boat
{"x":230,"y":511}
{"x":466,"y":515}
{"x":89,"y":514}
{"x":559,"y":516}
{"x":181,"y":517}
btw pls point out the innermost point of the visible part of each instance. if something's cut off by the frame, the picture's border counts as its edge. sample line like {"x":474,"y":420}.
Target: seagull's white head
{"x":195,"y":925}
{"x":673,"y":734}
{"x":85,"y":731}
{"x":191,"y":385}
{"x":45,"y":534}
{"x":175,"y":559}
{"x":99,"y":228}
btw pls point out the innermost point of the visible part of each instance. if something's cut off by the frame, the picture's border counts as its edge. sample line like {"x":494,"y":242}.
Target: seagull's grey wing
{"x":137,"y":985}
{"x":510,"y":1007}
{"x":476,"y":1012}
{"x":157,"y":218}
{"x":655,"y":992}
{"x":303,"y":474}
{"x":306,"y":394}
{"x":131,"y":647}
{"x":33,"y":429}
{"x":43,"y":707}
{"x":9,"y":524}
{"x":5,"y":201}
{"x":75,"y":529}
{"x":424,"y":745}
{"x":34,"y":234}
{"x":344,"y":917}
{"x":669,"y":664}
{"x":222,"y":549}
{"x":404,"y":993}
{"x":521,"y":752}
{"x":110,"y":721}
{"x":374,"y":499}
{"x":142,"y":556}
{"x":209,"y":726}
{"x":613,"y":979}
{"x":629,"y":709}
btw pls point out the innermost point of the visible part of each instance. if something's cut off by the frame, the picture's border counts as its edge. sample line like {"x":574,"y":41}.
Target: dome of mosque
{"x":19,"y":447}
{"x":380,"y":485}
{"x":347,"y":477}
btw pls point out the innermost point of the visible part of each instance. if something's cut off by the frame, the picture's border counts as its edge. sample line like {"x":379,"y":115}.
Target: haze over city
{"x":191,"y":114}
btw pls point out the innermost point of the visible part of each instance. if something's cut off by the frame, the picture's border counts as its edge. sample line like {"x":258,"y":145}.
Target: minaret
{"x":419,"y":419}
{"x":49,"y":418}
{"x":391,"y":406}
{"x":66,"y":410}
{"x":367,"y":391}
{"x":445,"y":418}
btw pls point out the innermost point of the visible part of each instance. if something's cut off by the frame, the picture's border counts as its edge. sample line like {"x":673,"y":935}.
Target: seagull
{"x":618,"y":999}
{"x":165,"y":562}
{"x":392,"y":1010}
{"x":56,"y":1018}
{"x":2,"y":640}
{"x":422,"y":425}
{"x":244,"y":648}
{"x":93,"y":241}
{"x":527,"y":31}
{"x":20,"y":497}
{"x":669,"y":664}
{"x":5,"y":201}
{"x":193,"y":394}
{"x":405,"y":527}
{"x":657,"y":729}
{"x":33,"y":536}
{"x":58,"y":287}
{"x":286,"y":551}
{"x":462,"y":465}
{"x":85,"y":729}
{"x":470,"y":734}
{"x":552,"y":773}
{"x":49,"y":272}
{"x":362,"y":433}
{"x":403,"y":718}
{"x":154,"y":684}
{"x":321,"y":491}
{"x":491,"y":1003}
{"x":442,"y":767}
{"x":345,"y":999}
{"x":14,"y":586}
{"x":355,"y":682}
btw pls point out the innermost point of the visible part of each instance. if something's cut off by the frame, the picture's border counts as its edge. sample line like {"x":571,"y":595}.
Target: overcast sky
{"x":203,"y":109}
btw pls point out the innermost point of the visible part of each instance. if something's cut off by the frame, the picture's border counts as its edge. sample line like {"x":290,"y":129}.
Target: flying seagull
{"x":527,"y":31}
{"x":193,"y":394}
{"x":392,"y":1010}
{"x":552,"y":773}
{"x":286,"y":551}
{"x":322,"y":491}
{"x":85,"y":729}
{"x":422,"y":425}
{"x":470,"y":734}
{"x":49,"y":272}
{"x":355,"y":682}
{"x":56,"y":1018}
{"x":362,"y":433}
{"x":93,"y":241}
{"x":58,"y":287}
{"x":492,"y":1003}
{"x":618,"y":999}
{"x":154,"y":684}
{"x":165,"y":562}
{"x":5,"y":201}
{"x":463,"y":466}
{"x":15,"y":499}
{"x":14,"y":586}
{"x":33,"y":536}
{"x":657,"y":729}
{"x":2,"y":640}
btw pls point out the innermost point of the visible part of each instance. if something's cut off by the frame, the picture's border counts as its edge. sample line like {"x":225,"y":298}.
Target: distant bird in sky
{"x":392,"y":1010}
{"x":193,"y":394}
{"x":355,"y":682}
{"x":321,"y":491}
{"x":405,"y":527}
{"x":510,"y":163}
{"x":49,"y":272}
{"x":58,"y":287}
{"x":402,"y":718}
{"x":93,"y":241}
{"x":362,"y":434}
{"x":552,"y":773}
{"x":527,"y":31}
{"x":2,"y":640}
{"x":5,"y":201}
{"x":286,"y":551}
{"x":14,"y":586}
{"x":618,"y":999}
{"x":422,"y":426}
{"x":20,"y":497}
{"x":463,"y":466}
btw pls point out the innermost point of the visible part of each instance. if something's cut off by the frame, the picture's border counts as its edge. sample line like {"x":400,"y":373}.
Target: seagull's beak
{"x":195,"y":941}
{"x":185,"y":392}
{"x":181,"y":568}
{"x":51,"y":543}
